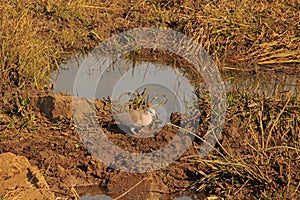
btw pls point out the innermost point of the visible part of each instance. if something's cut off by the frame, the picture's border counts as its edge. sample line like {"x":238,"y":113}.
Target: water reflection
{"x":124,"y":77}
{"x":125,"y":71}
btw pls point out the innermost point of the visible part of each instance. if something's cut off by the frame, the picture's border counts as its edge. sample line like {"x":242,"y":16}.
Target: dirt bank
{"x":239,"y":167}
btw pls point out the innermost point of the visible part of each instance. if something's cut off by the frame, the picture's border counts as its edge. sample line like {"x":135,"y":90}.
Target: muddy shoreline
{"x":49,"y":140}
{"x":55,"y":148}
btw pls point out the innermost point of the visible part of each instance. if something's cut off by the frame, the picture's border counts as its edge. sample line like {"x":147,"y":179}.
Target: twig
{"x":131,"y":189}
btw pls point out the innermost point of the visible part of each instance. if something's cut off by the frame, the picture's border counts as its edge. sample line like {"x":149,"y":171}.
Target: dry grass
{"x":36,"y":37}
{"x":259,"y":153}
{"x":260,"y":149}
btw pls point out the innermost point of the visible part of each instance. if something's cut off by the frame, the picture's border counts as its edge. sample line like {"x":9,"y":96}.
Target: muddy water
{"x":120,"y":79}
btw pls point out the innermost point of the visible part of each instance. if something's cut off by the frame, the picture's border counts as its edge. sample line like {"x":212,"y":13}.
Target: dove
{"x":136,"y":118}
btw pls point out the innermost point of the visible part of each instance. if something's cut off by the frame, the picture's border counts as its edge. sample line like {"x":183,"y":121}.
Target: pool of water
{"x":124,"y":75}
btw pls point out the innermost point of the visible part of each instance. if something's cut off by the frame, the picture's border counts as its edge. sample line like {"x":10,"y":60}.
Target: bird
{"x":136,"y":118}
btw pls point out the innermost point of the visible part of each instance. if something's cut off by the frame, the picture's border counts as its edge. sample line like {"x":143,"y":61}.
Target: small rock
{"x":54,"y":106}
{"x":20,"y":180}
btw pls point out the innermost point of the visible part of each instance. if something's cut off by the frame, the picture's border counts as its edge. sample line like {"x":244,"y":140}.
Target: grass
{"x":259,"y":153}
{"x":36,"y":37}
{"x":260,"y":147}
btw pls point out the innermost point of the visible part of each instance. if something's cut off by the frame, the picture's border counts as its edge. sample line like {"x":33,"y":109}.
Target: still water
{"x":124,"y":75}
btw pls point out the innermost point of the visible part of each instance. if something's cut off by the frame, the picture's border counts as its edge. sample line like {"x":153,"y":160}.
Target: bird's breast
{"x":136,"y":118}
